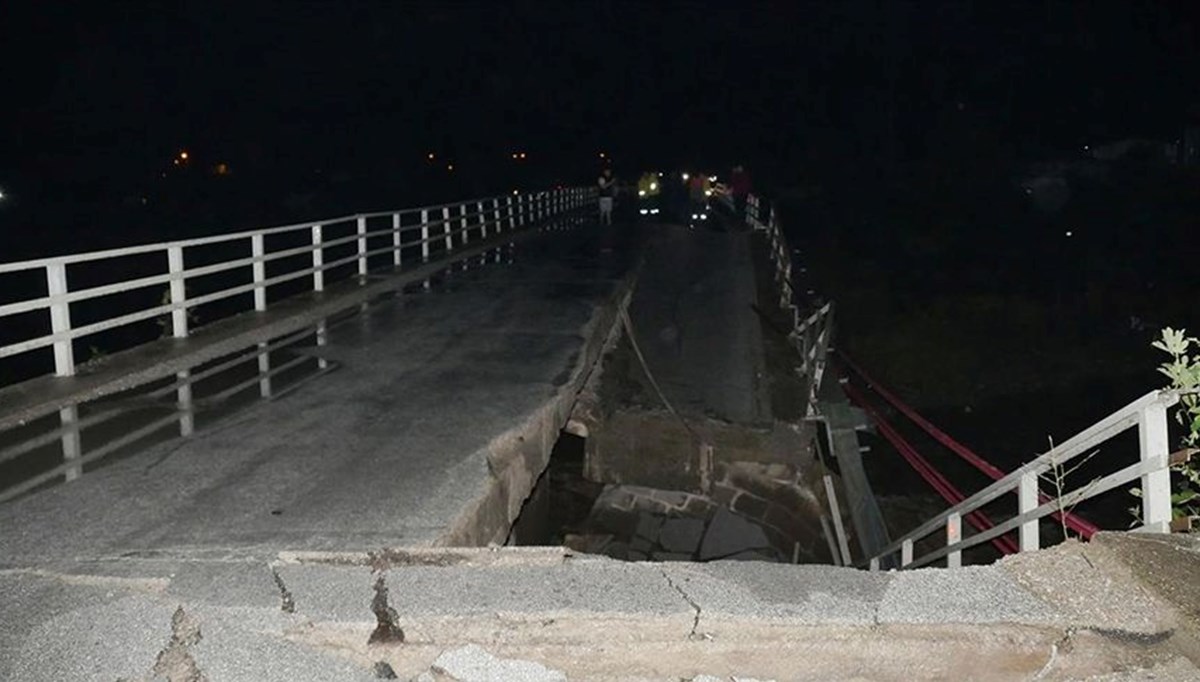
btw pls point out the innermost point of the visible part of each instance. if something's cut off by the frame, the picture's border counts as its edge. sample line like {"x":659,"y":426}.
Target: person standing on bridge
{"x":608,"y":189}
{"x":740,"y":188}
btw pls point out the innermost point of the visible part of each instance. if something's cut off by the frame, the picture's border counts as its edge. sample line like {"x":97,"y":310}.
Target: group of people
{"x":698,"y":189}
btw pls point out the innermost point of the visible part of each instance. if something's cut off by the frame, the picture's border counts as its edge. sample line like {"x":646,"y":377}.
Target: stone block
{"x":617,"y":550}
{"x":729,"y":534}
{"x":649,"y":526}
{"x":751,"y":506}
{"x":620,"y":523}
{"x":671,"y":498}
{"x":723,"y":494}
{"x":681,"y":535}
{"x":699,"y":507}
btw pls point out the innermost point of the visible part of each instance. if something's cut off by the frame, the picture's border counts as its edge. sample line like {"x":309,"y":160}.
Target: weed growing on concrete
{"x":1057,"y":477}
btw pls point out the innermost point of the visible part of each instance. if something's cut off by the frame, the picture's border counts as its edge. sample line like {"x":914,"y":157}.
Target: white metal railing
{"x":1148,"y":414}
{"x":429,"y":231}
{"x":812,"y":335}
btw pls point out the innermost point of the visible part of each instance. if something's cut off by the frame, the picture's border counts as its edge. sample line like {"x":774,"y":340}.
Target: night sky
{"x":99,"y":97}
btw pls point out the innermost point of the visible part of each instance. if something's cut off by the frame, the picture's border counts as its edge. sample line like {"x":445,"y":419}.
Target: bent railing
{"x":1148,"y":414}
{"x":811,"y":336}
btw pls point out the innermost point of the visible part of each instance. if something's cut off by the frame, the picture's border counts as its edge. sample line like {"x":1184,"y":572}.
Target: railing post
{"x":462,"y":212}
{"x":318,"y":260}
{"x":72,"y":448}
{"x":482,"y":220}
{"x":874,"y":563}
{"x":906,"y":553}
{"x":264,"y":367}
{"x":396,"y":239}
{"x":447,"y":229}
{"x":496,"y":214}
{"x":258,"y":250}
{"x":1027,"y":501}
{"x":425,"y":241}
{"x":1153,"y":439}
{"x":521,"y":210}
{"x":322,"y":341}
{"x":178,"y":291}
{"x":953,"y":536}
{"x":424,"y":235}
{"x":362,"y":246}
{"x":512,"y":214}
{"x":60,"y":319}
{"x":183,"y":394}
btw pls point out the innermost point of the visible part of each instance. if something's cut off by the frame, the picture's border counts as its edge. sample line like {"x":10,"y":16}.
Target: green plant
{"x":1184,"y":372}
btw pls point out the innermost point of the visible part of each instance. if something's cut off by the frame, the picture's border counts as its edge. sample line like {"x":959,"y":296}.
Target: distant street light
{"x":429,"y":156}
{"x":450,"y":167}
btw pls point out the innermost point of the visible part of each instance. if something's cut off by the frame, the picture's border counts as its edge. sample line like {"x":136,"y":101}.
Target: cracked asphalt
{"x":315,"y":616}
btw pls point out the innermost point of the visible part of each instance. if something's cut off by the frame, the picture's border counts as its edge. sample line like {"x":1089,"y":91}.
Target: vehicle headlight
{"x":653,"y":186}
{"x":641,"y":192}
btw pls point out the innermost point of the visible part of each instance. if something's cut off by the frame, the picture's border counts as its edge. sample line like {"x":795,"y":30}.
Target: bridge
{"x":321,"y":451}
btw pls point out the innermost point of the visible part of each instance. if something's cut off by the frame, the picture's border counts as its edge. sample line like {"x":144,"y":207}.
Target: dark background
{"x":335,"y":105}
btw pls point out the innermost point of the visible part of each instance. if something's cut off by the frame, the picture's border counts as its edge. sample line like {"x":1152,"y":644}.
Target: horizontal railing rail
{"x":414,"y":234}
{"x":1148,"y":414}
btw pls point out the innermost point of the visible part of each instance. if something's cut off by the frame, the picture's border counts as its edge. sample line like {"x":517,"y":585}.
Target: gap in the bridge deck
{"x":636,"y":523}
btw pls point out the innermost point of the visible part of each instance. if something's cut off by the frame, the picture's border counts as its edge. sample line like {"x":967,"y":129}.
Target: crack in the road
{"x":686,"y":598}
{"x":175,"y":662}
{"x":287,"y":603}
{"x":387,"y":630}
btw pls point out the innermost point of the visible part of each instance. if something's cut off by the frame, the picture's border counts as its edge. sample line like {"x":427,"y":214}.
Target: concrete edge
{"x":517,"y":457}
